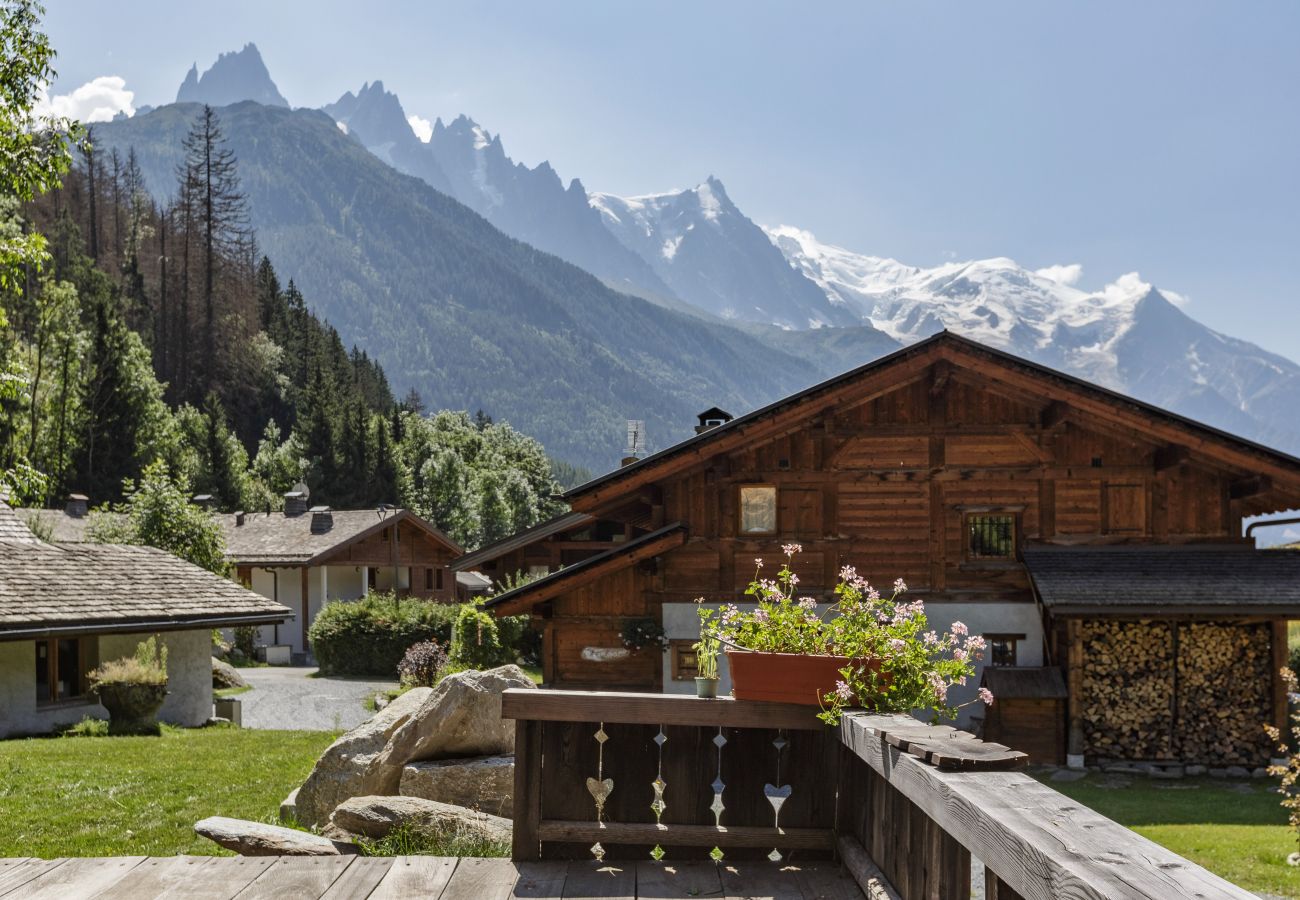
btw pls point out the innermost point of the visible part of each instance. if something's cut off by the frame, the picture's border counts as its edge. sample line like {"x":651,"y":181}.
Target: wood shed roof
{"x":1024,"y":682}
{"x":1188,"y":579}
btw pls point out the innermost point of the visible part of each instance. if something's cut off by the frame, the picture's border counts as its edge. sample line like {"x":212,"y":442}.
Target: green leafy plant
{"x":476,"y":640}
{"x":898,"y":663}
{"x":1288,"y":770}
{"x":371,"y":635}
{"x":707,"y":647}
{"x":147,"y":666}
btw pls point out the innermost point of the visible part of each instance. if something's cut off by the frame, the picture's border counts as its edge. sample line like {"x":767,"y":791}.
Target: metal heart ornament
{"x":776,"y":796}
{"x":600,"y":791}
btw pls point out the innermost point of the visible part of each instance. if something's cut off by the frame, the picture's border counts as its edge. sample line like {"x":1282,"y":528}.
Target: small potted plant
{"x":132,"y":689}
{"x":866,"y":650}
{"x":706,"y":658}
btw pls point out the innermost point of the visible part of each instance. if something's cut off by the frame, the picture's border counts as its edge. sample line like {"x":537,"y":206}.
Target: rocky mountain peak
{"x":236,"y":76}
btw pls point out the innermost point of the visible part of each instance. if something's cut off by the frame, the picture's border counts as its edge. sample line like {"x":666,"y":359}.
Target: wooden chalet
{"x":305,"y":558}
{"x":1061,"y":520}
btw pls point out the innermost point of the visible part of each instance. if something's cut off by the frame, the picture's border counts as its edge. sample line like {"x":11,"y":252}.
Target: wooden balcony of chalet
{"x":661,"y":796}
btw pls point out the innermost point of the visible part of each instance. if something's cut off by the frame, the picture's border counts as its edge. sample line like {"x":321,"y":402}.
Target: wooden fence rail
{"x":902,"y":805}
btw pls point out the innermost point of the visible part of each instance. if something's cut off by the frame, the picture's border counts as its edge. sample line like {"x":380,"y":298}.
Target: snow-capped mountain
{"x":1129,"y":336}
{"x":375,"y":117}
{"x":714,"y":257}
{"x":233,"y":77}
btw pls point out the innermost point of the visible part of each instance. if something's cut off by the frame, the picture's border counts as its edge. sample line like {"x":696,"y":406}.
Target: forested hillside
{"x":454,"y":308}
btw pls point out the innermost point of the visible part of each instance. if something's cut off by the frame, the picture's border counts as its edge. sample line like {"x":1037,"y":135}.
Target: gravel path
{"x":284,"y":698}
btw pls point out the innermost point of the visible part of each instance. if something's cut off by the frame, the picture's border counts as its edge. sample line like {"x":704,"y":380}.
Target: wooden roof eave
{"x":404,"y":515}
{"x":587,"y":571}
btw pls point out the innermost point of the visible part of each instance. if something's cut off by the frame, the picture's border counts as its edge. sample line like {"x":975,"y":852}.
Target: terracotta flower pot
{"x":132,"y":708}
{"x":786,"y":677}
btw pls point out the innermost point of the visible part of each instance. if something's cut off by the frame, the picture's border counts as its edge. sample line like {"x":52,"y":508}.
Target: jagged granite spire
{"x":233,"y":77}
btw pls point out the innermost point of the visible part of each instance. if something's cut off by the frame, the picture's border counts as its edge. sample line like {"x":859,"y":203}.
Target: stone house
{"x":66,"y":608}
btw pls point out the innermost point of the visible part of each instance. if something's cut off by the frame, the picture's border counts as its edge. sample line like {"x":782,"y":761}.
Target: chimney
{"x":321,"y":519}
{"x":77,"y":505}
{"x":295,"y":503}
{"x":204,"y":502}
{"x":711,"y":418}
{"x":239,"y":517}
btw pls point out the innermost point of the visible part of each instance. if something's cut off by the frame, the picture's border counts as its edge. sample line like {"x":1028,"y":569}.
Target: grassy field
{"x":88,"y":796}
{"x":1235,"y":829}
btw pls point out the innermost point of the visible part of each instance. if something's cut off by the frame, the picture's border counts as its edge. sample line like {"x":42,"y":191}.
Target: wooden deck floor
{"x":424,"y":877}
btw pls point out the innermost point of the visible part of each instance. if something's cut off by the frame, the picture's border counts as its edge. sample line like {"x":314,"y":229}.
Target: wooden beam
{"x":1055,"y":413}
{"x":1281,"y":707}
{"x":1171,"y":456}
{"x":666,"y":709}
{"x":526,"y":842}
{"x":306,"y":594}
{"x":1249,"y":487}
{"x":686,"y":835}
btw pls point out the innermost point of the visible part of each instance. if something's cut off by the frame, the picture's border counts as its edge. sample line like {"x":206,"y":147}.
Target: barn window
{"x":991,"y":536}
{"x":684,"y":661}
{"x":428,"y":579}
{"x":60,"y":670}
{"x":439,"y":579}
{"x":1002,"y":648}
{"x":758,"y":509}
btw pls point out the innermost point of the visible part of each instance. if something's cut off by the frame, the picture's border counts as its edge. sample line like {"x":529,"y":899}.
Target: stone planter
{"x":132,"y":708}
{"x":786,"y":677}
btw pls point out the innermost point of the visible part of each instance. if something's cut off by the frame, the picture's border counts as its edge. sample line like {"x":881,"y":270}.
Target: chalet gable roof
{"x":538,"y":532}
{"x":1228,"y":580}
{"x":274,"y":539}
{"x":911,"y":362}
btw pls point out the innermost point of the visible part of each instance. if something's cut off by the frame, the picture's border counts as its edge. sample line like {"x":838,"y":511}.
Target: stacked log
{"x":1224,"y":692}
{"x":1127,"y":690}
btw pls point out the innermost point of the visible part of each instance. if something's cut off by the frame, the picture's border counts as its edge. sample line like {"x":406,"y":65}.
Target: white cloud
{"x":1067,"y":275}
{"x":423,"y":128}
{"x":1127,"y":287}
{"x":1178,"y":300}
{"x":98,"y":100}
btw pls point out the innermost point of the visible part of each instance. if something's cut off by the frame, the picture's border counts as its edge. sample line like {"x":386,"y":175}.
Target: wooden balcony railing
{"x":903,"y":806}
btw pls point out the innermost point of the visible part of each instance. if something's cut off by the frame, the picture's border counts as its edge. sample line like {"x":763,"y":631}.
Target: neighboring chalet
{"x":1079,"y":530}
{"x":66,"y":608}
{"x":305,"y":557}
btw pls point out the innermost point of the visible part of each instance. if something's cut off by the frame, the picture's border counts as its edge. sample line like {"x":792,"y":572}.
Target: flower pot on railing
{"x":706,"y":688}
{"x":788,"y":677}
{"x":132,"y":707}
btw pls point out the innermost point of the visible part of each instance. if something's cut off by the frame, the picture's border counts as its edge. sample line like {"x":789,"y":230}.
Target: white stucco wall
{"x":324,"y":583}
{"x":189,"y":683}
{"x":681,"y":622}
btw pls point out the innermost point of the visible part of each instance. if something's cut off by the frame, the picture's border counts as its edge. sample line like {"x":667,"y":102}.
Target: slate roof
{"x":1195,"y":579}
{"x":48,"y":588}
{"x":538,"y":532}
{"x":274,"y":538}
{"x":1024,"y":683}
{"x":61,"y":527}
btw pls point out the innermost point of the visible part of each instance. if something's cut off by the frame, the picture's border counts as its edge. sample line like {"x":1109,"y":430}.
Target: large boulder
{"x":462,"y":717}
{"x":224,"y":675}
{"x":259,"y":839}
{"x":339,"y":772}
{"x":486,"y":783}
{"x":376,"y":817}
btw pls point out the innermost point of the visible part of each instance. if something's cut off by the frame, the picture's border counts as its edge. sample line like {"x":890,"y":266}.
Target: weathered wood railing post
{"x":525,"y":843}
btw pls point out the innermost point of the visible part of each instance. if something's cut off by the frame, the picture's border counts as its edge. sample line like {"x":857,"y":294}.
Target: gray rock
{"x":216,"y":722}
{"x":1238,"y":772}
{"x":339,"y":772}
{"x":1217,"y":772}
{"x":224,"y":675}
{"x":381,"y":700}
{"x":462,"y":717}
{"x":1259,"y":772}
{"x":1196,"y":769}
{"x":289,"y":807}
{"x":375,"y":817}
{"x":1171,"y":771}
{"x":1068,"y":775}
{"x":258,"y":839}
{"x":485,"y":783}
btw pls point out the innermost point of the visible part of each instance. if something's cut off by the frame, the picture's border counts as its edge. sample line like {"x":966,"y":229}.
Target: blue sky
{"x":1156,"y":137}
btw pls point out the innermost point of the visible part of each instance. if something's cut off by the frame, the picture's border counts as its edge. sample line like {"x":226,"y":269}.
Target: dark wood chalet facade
{"x":981,"y":479}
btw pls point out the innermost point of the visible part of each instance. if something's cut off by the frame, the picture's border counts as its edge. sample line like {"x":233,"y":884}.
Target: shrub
{"x":421,"y":664}
{"x":147,"y":666}
{"x":371,"y":635}
{"x":519,"y":639}
{"x":246,"y":640}
{"x":476,"y":641}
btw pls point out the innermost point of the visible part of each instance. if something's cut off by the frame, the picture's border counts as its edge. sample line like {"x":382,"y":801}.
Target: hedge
{"x":370,"y":636}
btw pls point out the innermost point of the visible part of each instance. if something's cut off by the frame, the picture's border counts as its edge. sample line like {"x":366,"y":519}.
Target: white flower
{"x":986,"y":696}
{"x":959,"y":628}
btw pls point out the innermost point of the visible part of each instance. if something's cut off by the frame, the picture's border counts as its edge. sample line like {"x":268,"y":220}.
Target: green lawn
{"x":102,"y":796}
{"x":1235,"y":829}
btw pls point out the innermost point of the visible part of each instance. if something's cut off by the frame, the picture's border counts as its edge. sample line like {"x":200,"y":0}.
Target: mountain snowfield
{"x":1129,"y":336}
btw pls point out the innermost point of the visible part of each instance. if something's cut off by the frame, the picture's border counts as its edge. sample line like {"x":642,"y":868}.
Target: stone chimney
{"x":322,"y":520}
{"x":711,"y":418}
{"x":295,"y":503}
{"x":77,"y":506}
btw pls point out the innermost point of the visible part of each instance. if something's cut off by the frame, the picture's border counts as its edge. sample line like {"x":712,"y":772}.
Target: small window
{"x":684,"y":663}
{"x":758,"y":509}
{"x":991,"y":536}
{"x":1002,"y":648}
{"x":439,"y":579}
{"x":60,"y":670}
{"x":428,"y":579}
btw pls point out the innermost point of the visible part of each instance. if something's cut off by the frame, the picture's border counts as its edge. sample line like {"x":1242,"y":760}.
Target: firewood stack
{"x":1208,"y":708}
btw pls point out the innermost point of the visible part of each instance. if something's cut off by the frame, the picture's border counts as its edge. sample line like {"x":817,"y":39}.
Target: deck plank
{"x":609,"y":880}
{"x":411,"y":877}
{"x":79,"y":879}
{"x":481,"y":879}
{"x":18,"y":872}
{"x":827,"y":881}
{"x":759,"y":881}
{"x":360,"y":879}
{"x":297,"y":878}
{"x":677,"y":881}
{"x":540,"y":880}
{"x":188,"y":878}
